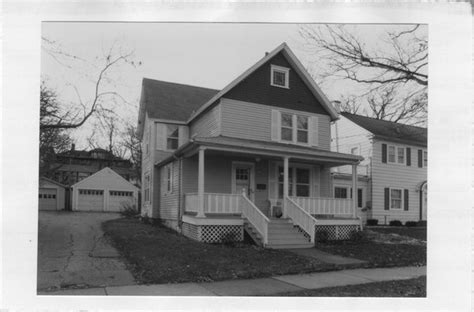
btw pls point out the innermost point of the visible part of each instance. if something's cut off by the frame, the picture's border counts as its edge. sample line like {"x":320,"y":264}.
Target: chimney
{"x":337,"y":105}
{"x":266,"y":53}
{"x":73,"y":147}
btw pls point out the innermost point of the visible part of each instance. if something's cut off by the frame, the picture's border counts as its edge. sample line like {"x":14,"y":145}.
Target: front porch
{"x":282,"y":200}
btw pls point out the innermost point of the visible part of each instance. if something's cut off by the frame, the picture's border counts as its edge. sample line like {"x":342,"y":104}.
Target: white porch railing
{"x":214,"y":203}
{"x":301,"y":218}
{"x":325,"y":206}
{"x":258,"y":220}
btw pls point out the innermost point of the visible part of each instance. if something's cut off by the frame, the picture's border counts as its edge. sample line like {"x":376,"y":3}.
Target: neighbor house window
{"x":280,"y":76}
{"x":147,"y":187}
{"x":395,"y":199}
{"x":340,"y":192}
{"x":425,"y":159}
{"x":294,"y":128}
{"x":359,"y":197}
{"x":169,"y":178}
{"x":172,"y":137}
{"x":355,"y":150}
{"x":396,"y":154}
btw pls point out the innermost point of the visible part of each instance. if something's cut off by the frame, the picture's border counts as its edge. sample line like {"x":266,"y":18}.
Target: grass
{"x":402,"y":288}
{"x":378,"y":254}
{"x":156,"y":254}
{"x":413,"y":232}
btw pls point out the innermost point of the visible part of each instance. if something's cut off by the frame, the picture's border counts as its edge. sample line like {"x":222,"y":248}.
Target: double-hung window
{"x":425,"y":159}
{"x":172,"y":137}
{"x":287,"y":127}
{"x":396,"y":199}
{"x":294,"y":128}
{"x":340,"y":192}
{"x":396,"y":154}
{"x":169,"y":178}
{"x":298,"y":182}
{"x":147,"y":187}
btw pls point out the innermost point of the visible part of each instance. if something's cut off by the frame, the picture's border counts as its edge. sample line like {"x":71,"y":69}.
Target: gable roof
{"x":50,"y":181}
{"x":390,"y":130}
{"x":183,"y":103}
{"x":171,"y":101}
{"x":105,"y":171}
{"x":299,"y":68}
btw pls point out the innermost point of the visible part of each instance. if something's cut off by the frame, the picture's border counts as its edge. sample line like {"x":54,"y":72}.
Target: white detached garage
{"x":104,"y":191}
{"x":51,"y":195}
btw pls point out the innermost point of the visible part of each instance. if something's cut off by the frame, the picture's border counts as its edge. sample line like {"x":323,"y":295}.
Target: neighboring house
{"x":51,"y":195}
{"x":393,"y":174}
{"x":218,"y":162}
{"x":74,"y":165}
{"x":104,"y":191}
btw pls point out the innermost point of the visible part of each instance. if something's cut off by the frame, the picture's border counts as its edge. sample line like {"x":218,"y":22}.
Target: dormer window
{"x":280,"y":76}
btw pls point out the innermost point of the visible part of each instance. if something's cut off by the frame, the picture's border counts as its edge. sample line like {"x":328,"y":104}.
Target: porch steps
{"x":281,"y":235}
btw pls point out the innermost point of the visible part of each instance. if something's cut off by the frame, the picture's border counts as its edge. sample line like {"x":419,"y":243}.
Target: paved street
{"x":72,"y":252}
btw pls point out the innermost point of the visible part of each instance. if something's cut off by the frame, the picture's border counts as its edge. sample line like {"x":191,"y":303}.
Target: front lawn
{"x":403,"y":288}
{"x":380,"y":250}
{"x":156,"y":254}
{"x":413,"y":232}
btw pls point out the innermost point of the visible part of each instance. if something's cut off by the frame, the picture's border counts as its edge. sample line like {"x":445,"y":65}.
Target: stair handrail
{"x":301,"y":218}
{"x":258,"y":220}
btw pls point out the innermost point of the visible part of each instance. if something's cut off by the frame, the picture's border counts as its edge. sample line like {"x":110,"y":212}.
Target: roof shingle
{"x":173,"y":101}
{"x":390,"y":130}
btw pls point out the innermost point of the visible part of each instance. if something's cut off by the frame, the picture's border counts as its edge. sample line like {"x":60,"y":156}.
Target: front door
{"x":243,"y":177}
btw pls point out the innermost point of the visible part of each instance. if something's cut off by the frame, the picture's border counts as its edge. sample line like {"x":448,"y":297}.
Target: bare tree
{"x":131,"y":143}
{"x":51,"y":140}
{"x":393,"y":74}
{"x":75,"y":115}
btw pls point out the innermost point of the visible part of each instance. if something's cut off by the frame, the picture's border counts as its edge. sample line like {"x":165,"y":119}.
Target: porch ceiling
{"x":269,"y":150}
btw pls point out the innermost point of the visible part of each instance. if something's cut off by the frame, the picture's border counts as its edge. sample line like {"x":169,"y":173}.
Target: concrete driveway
{"x":73,"y":253}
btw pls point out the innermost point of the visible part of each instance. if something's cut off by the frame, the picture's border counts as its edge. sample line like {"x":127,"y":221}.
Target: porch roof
{"x":263,"y":148}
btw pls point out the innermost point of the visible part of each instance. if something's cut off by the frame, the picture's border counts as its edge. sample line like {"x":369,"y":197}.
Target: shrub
{"x":145,"y":219}
{"x":411,"y":223}
{"x":357,"y":236}
{"x":421,"y":223}
{"x":129,"y":210}
{"x":395,"y":223}
{"x":322,"y":236}
{"x":372,"y":222}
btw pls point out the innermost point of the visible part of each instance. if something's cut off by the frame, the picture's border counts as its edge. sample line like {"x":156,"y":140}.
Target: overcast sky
{"x":203,"y":54}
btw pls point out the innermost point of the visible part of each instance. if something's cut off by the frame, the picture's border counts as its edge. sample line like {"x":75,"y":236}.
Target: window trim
{"x":281,"y":69}
{"x":169,"y":179}
{"x":292,"y":171}
{"x":169,"y":137}
{"x":294,"y":128}
{"x":390,"y":198}
{"x":397,"y":147}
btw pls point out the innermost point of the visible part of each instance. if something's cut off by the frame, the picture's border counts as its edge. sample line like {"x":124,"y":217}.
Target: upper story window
{"x":280,"y":77}
{"x":396,"y":154}
{"x":294,"y":128}
{"x":172,"y":137}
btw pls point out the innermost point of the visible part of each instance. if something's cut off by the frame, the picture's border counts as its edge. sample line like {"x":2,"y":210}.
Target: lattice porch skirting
{"x":337,"y":232}
{"x":213,"y":233}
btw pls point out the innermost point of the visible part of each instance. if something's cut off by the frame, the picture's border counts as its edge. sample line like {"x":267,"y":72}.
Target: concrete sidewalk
{"x":254,"y":287}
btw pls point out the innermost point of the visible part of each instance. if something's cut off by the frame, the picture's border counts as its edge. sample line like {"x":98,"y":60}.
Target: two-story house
{"x":254,"y":156}
{"x":393,"y":175}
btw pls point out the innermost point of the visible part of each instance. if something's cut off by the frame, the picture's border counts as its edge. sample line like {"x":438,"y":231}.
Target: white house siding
{"x":253,"y":121}
{"x":147,"y":164}
{"x":345,"y":136}
{"x":399,"y":176}
{"x":169,"y":201}
{"x":208,"y":124}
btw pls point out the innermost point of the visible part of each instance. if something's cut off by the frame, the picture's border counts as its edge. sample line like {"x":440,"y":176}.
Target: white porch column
{"x":200,"y":212}
{"x":354,"y":189}
{"x":285,"y":183}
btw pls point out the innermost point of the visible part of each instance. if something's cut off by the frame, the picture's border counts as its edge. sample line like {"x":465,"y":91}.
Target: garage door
{"x":48,"y":199}
{"x":90,"y":200}
{"x":119,"y":199}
